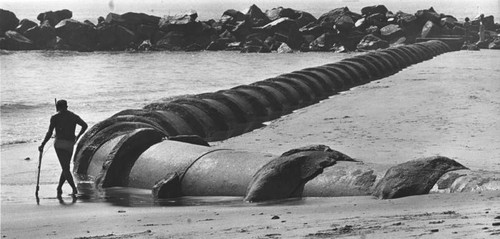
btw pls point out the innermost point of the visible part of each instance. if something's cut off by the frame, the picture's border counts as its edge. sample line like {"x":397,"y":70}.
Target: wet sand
{"x":446,"y":106}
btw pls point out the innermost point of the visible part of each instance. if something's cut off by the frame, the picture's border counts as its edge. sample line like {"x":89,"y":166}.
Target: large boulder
{"x":256,"y":43}
{"x":349,"y":41}
{"x":219,"y":44}
{"x":448,"y":21}
{"x":344,"y":23}
{"x":367,"y":11}
{"x":3,"y":43}
{"x":410,"y":25}
{"x":312,"y":29}
{"x":55,"y":17}
{"x":372,"y":30}
{"x":44,"y":36}
{"x":24,"y":25}
{"x":184,"y":22}
{"x":255,"y":47}
{"x":172,"y":41}
{"x":407,"y":20}
{"x":284,"y":48}
{"x":302,"y":18}
{"x":431,"y":29}
{"x":78,"y":35}
{"x":414,"y":177}
{"x":274,"y":13}
{"x":426,"y":15}
{"x":233,"y":15}
{"x":231,"y":18}
{"x":398,"y":41}
{"x":114,"y":37}
{"x":495,"y":44}
{"x":16,"y":41}
{"x":377,"y":19}
{"x":131,"y":20}
{"x":8,"y":21}
{"x":255,"y":17}
{"x":391,"y":31}
{"x":324,"y":42}
{"x":285,"y":30}
{"x":372,"y":42}
{"x":488,"y":21}
{"x":342,"y":18}
{"x":235,"y":22}
{"x":146,"y":32}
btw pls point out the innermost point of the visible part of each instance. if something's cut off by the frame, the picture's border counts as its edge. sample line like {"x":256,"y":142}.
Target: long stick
{"x":40,"y":167}
{"x":38,"y":177}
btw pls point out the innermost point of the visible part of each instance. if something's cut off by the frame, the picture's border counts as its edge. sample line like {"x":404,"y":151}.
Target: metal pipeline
{"x":129,"y":148}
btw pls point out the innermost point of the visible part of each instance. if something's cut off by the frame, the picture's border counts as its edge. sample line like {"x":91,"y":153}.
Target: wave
{"x":14,"y":142}
{"x":9,"y":107}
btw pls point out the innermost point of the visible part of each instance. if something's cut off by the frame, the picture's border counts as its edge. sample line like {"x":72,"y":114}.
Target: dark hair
{"x":61,"y":105}
{"x":467,"y":19}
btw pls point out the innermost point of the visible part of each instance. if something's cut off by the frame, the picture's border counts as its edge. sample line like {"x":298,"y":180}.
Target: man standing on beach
{"x":64,"y":122}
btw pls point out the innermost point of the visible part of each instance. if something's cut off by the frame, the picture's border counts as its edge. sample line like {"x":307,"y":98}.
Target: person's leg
{"x":59,"y":186}
{"x":65,"y":159}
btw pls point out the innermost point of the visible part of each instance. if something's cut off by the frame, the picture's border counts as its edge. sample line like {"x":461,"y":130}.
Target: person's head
{"x":467,"y":19}
{"x":61,"y":105}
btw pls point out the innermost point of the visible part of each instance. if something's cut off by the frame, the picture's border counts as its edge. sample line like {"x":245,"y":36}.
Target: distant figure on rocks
{"x":64,"y":122}
{"x":481,"y":28}
{"x":467,"y":45}
{"x":466,"y":26}
{"x":482,"y":43}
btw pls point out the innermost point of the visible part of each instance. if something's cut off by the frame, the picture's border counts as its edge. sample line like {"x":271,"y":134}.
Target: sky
{"x":214,"y":8}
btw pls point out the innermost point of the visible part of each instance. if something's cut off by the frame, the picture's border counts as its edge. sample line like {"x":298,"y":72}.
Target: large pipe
{"x":191,"y":169}
{"x":206,"y":171}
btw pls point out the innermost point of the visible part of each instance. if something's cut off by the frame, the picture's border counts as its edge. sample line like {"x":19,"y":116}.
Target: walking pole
{"x":39,"y":167}
{"x":38,"y":177}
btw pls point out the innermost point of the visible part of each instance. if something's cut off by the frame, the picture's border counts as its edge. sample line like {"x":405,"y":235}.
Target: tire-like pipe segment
{"x":163,"y":146}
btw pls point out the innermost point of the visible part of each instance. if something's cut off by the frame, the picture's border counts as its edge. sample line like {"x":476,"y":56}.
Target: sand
{"x":446,"y":106}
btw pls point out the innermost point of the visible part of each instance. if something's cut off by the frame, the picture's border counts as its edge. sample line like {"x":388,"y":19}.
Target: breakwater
{"x":278,"y":29}
{"x":163,"y":147}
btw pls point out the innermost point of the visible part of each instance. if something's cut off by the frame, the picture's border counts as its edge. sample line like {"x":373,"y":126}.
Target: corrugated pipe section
{"x":228,"y":113}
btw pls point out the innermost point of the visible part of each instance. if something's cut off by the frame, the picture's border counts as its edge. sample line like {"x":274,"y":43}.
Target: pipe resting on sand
{"x":129,"y":148}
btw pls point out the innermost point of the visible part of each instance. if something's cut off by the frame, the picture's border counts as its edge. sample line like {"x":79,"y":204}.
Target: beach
{"x":446,"y":106}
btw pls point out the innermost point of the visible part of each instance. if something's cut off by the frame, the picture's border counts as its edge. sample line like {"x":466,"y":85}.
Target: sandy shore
{"x":447,"y":106}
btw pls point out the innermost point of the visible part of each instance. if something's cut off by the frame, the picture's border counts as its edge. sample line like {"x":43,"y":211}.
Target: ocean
{"x":99,"y":84}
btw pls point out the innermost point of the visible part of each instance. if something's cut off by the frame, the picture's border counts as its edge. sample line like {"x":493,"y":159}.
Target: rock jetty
{"x":275,"y":30}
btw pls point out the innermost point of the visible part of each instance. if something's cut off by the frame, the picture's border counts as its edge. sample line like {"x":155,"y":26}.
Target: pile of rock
{"x":278,"y":29}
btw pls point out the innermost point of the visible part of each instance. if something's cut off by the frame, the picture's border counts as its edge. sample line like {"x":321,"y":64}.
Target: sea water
{"x":99,"y":84}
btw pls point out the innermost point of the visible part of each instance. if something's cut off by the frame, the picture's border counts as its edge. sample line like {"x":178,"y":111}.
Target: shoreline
{"x":472,"y":215}
{"x":448,"y":105}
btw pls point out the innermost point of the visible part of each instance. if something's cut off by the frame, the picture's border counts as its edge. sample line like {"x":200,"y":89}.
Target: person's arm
{"x":83,"y":129}
{"x":47,"y":135}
